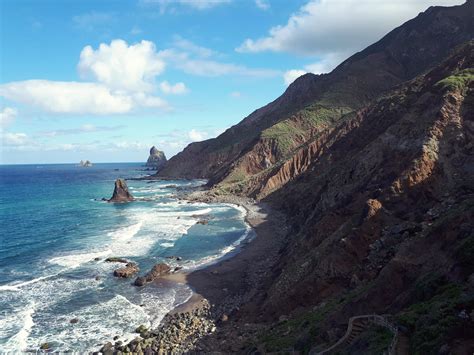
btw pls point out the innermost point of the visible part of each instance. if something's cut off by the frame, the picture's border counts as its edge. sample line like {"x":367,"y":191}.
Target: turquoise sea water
{"x":54,"y":227}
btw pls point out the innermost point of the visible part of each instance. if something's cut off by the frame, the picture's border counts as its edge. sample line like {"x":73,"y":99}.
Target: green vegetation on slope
{"x":458,"y":81}
{"x":290,"y":133}
{"x":432,"y":320}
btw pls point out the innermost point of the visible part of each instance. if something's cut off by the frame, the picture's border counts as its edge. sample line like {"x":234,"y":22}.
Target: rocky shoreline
{"x":219,"y":290}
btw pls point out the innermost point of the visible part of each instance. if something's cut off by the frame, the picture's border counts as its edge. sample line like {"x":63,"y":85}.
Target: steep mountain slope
{"x":382,"y":221}
{"x":277,"y":142}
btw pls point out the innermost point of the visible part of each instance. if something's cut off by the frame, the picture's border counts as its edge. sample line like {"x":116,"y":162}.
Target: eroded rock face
{"x":157,"y":159}
{"x":121,"y":193}
{"x":157,"y":271}
{"x":129,"y":270}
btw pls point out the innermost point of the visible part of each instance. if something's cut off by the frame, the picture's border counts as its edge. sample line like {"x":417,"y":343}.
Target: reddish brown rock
{"x":121,"y":193}
{"x":157,"y":271}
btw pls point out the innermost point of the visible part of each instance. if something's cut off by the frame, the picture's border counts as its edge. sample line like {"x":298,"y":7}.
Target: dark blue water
{"x":54,"y":228}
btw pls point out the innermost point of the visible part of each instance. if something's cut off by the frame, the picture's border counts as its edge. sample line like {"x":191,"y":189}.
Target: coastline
{"x":220,"y":291}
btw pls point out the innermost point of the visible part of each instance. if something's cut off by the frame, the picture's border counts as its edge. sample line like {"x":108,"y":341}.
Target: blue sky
{"x":106,"y":80}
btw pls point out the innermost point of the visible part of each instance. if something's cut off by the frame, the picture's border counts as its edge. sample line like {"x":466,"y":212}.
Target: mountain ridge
{"x":352,"y":85}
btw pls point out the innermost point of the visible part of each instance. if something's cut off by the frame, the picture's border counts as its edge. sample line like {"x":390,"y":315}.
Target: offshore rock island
{"x":156,"y":159}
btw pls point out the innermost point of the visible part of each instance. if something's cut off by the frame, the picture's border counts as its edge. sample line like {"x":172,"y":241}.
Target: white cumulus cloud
{"x":122,"y":79}
{"x":122,"y":66}
{"x":177,"y":89}
{"x":67,"y":97}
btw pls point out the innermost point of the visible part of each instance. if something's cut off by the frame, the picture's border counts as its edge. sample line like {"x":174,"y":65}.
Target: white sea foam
{"x":126,"y":233}
{"x":167,"y":245}
{"x":73,"y":261}
{"x":19,"y":340}
{"x":16,"y":287}
{"x":96,"y":324}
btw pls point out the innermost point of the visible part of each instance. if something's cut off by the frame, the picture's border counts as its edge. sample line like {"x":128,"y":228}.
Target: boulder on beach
{"x":128,"y":271}
{"x":157,"y":271}
{"x":121,"y":193}
{"x":156,"y":159}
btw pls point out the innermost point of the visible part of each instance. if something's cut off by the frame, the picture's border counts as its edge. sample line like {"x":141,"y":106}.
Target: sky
{"x":106,"y":80}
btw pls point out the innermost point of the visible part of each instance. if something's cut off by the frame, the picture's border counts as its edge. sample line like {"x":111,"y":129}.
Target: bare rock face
{"x":156,"y":159}
{"x":128,"y":271}
{"x":157,"y":271}
{"x":121,"y":193}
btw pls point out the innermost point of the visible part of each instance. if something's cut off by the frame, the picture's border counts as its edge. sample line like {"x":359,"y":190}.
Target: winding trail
{"x":360,"y":323}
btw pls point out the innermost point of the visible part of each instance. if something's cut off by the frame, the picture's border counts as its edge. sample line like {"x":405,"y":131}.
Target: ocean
{"x":56,"y":233}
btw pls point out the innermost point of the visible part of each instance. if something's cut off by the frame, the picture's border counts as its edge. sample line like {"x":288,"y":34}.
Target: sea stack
{"x":121,"y":193}
{"x":156,"y":159}
{"x":85,"y":163}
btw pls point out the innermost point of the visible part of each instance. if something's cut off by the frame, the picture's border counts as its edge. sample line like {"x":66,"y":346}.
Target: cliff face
{"x":373,"y":166}
{"x":276,"y":142}
{"x":382,"y":218}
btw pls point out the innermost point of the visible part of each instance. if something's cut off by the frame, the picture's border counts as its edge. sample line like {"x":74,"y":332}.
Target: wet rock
{"x":128,"y":271}
{"x":107,"y":348}
{"x":121,"y":193}
{"x":140,"y":281}
{"x":173,"y":257}
{"x":115,"y":259}
{"x":157,"y":271}
{"x":141,"y":329}
{"x":74,"y":321}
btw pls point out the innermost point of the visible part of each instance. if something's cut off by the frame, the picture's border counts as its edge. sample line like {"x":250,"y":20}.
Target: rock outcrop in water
{"x":156,"y":159}
{"x":157,"y":271}
{"x":85,"y":163}
{"x":129,"y":270}
{"x":121,"y":193}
